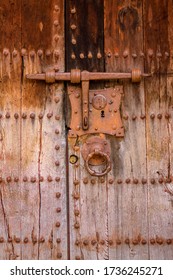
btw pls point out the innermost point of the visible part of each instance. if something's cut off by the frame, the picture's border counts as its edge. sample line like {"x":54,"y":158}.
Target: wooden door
{"x":50,"y":206}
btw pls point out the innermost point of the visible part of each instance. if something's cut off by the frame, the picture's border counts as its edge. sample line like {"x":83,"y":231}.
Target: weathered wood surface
{"x":33,"y":189}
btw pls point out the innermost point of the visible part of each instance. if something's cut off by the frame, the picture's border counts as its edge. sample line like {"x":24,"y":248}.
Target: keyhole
{"x":102,"y":114}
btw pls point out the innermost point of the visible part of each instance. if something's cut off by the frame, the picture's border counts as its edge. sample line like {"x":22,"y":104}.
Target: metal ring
{"x":93,"y":172}
{"x":136,"y":76}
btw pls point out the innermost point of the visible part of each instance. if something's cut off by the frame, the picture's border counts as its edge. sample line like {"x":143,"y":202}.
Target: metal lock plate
{"x":104,"y":111}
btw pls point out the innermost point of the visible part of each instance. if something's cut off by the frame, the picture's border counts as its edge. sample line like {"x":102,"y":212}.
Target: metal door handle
{"x":84,"y":77}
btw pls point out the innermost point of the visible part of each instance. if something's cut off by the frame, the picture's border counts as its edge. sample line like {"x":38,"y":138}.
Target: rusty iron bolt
{"x":73,"y":11}
{"x":82,"y":56}
{"x":57,"y":131}
{"x":56,"y":38}
{"x":25,"y":179}
{"x":56,"y":23}
{"x":42,"y":240}
{"x":17,"y":239}
{"x":77,"y":242}
{"x":134,"y":117}
{"x":110,"y":242}
{"x":16,"y":179}
{"x":102,"y":180}
{"x":7,"y":115}
{"x":159,"y":241}
{"x":26,"y":240}
{"x":159,"y":55}
{"x":86,"y":242}
{"x":152,"y":181}
{"x":49,"y":115}
{"x":152,"y":241}
{"x":58,"y":195}
{"x":1,"y":239}
{"x":93,"y":181}
{"x":111,"y":181}
{"x":169,"y":241}
{"x":32,"y":54}
{"x":135,"y":242}
{"x":77,"y":258}
{"x":73,"y":56}
{"x":41,"y":178}
{"x":119,"y":181}
{"x":76,"y":212}
{"x":128,"y":181}
{"x":152,"y":116}
{"x":48,"y":53}
{"x":58,"y":240}
{"x":6,"y":52}
{"x":73,"y":26}
{"x":57,"y":147}
{"x":40,"y":53}
{"x":56,"y":54}
{"x":57,"y":179}
{"x":118,"y":242}
{"x":85,"y":180}
{"x":49,"y":178}
{"x":34,"y":240}
{"x":125,"y":117}
{"x":150,"y":53}
{"x":76,"y":182}
{"x":9,"y":179}
{"x":144,"y":241}
{"x":144,"y":181}
{"x":167,"y":116}
{"x":102,"y":242}
{"x":24,"y":116}
{"x":135,"y":181}
{"x":161,"y":180}
{"x":142,"y":117}
{"x":93,"y":242}
{"x":76,"y":196}
{"x":57,"y":117}
{"x":134,"y":55}
{"x":90,"y":55}
{"x":57,"y":163}
{"x":159,"y":116}
{"x":32,"y":115}
{"x":125,"y":54}
{"x":40,"y":116}
{"x":77,"y":225}
{"x":33,"y":179}
{"x":16,"y":116}
{"x":59,"y":255}
{"x":58,"y":210}
{"x":23,"y":52}
{"x":99,"y":56}
{"x":168,"y":180}
{"x":58,"y":224}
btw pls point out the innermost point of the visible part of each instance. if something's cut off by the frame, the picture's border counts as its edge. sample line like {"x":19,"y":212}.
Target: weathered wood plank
{"x":158,"y":98}
{"x":127,"y":197}
{"x":10,"y":73}
{"x":46,"y":129}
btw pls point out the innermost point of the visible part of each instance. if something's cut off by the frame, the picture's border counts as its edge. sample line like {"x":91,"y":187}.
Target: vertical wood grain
{"x":127,"y":197}
{"x":10,"y":73}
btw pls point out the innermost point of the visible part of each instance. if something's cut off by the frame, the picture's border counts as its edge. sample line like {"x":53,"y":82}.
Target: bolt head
{"x":40,"y":53}
{"x":58,"y":195}
{"x":85,"y":180}
{"x":49,"y":178}
{"x":32,"y":115}
{"x":57,"y":179}
{"x":58,"y":240}
{"x":58,"y":210}
{"x":128,"y":181}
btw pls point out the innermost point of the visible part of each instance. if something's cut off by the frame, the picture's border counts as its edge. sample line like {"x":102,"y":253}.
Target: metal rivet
{"x":32,"y":54}
{"x":57,"y":8}
{"x":169,"y":241}
{"x":33,"y":179}
{"x":17,"y":239}
{"x":73,"y":11}
{"x":23,"y":52}
{"x":16,"y":116}
{"x":114,"y":127}
{"x":73,"y":56}
{"x":144,"y":241}
{"x":134,"y":117}
{"x":116,"y":55}
{"x":26,"y":240}
{"x":86,"y":242}
{"x":42,"y":240}
{"x":102,"y":180}
{"x":152,"y":116}
{"x":127,"y":241}
{"x":160,"y":180}
{"x":109,"y":55}
{"x":78,"y":128}
{"x":40,"y":116}
{"x":135,"y":181}
{"x":142,"y":116}
{"x":58,"y":224}
{"x":110,"y":242}
{"x":125,"y":117}
{"x":99,"y":56}
{"x":58,"y":240}
{"x":32,"y":115}
{"x":93,"y":242}
{"x":77,"y":242}
{"x":25,"y":179}
{"x":49,"y":115}
{"x":159,"y":241}
{"x":40,"y":53}
{"x":142,"y":54}
{"x":152,"y":181}
{"x":77,"y":225}
{"x":41,"y":179}
{"x":118,"y":242}
{"x":167,"y":116}
{"x":168,"y":180}
{"x":14,"y":53}
{"x":56,"y":23}
{"x":6,"y":52}
{"x":73,"y":41}
{"x":134,"y":55}
{"x":57,"y":117}
{"x":24,"y":116}
{"x":49,"y":178}
{"x":56,"y":38}
{"x":73,"y":26}
{"x":125,"y":54}
{"x":82,"y":56}
{"x":90,"y":55}
{"x":85,"y":180}
{"x":76,"y":212}
{"x":9,"y":179}
{"x":7,"y":115}
{"x":102,"y":242}
{"x":57,"y":163}
{"x":56,"y":99}
{"x":152,"y":241}
{"x":111,"y":181}
{"x":127,"y":181}
{"x":159,"y":116}
{"x":56,"y":53}
{"x":77,"y":258}
{"x":150,"y":53}
{"x":59,"y":255}
{"x":58,"y":195}
{"x":57,"y":147}
{"x":119,"y":181}
{"x":57,"y":179}
{"x":34,"y":240}
{"x":76,"y":182}
{"x":76,"y":196}
{"x":93,"y":181}
{"x":166,"y":54}
{"x":16,"y":179}
{"x":58,"y":210}
{"x":1,"y":239}
{"x":135,"y":242}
